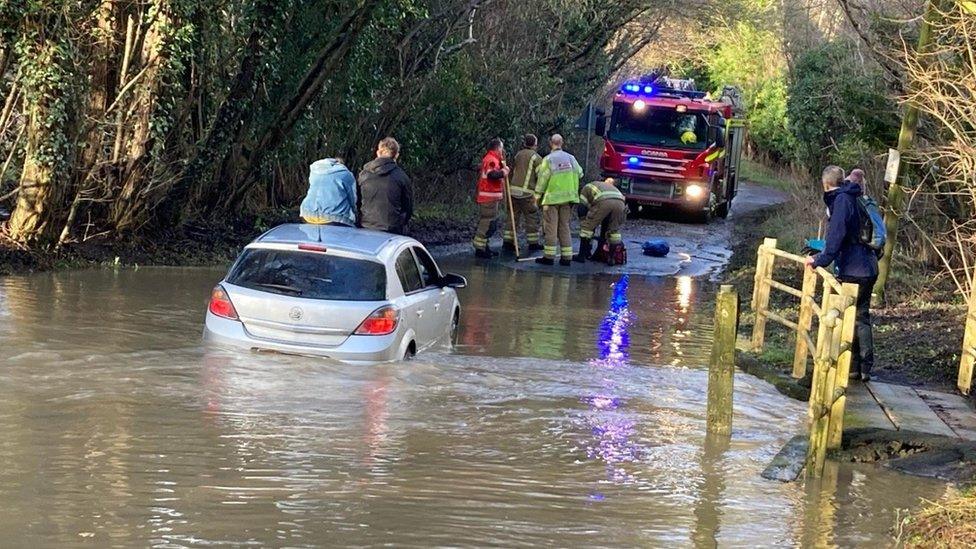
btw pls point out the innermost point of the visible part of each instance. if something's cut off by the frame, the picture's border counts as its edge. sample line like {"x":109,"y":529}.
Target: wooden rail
{"x":831,"y":354}
{"x":968,"y":358}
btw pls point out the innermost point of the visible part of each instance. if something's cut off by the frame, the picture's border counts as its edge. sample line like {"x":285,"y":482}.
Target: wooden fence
{"x":831,"y":351}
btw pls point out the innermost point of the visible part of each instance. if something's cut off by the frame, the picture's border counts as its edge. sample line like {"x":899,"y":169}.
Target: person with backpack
{"x":850,"y":245}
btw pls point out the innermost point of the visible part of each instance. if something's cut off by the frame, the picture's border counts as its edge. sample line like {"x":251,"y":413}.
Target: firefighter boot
{"x":509,"y":246}
{"x":536,"y":247}
{"x":545,"y":261}
{"x":565,"y":261}
{"x":483,"y":253}
{"x":584,"y":251}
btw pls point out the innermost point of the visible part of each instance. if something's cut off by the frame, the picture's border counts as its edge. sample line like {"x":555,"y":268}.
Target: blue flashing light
{"x":633,"y":160}
{"x":648,"y":89}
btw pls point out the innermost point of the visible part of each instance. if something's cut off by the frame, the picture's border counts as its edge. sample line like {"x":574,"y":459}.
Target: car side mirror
{"x":720,"y":137}
{"x":451,"y":280}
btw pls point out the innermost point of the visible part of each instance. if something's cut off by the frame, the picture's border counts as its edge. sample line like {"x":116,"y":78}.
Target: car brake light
{"x":312,"y":248}
{"x":220,"y":304}
{"x":383,"y":321}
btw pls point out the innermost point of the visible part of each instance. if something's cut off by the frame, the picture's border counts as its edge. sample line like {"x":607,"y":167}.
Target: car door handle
{"x":420,"y":312}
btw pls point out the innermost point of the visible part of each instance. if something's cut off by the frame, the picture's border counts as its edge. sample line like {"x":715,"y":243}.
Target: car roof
{"x":350,"y":239}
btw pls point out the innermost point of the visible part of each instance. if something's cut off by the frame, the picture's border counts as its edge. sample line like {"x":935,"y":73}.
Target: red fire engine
{"x":671,"y":146}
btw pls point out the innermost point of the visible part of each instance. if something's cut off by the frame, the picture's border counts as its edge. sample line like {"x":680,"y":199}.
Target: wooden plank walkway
{"x":899,"y":407}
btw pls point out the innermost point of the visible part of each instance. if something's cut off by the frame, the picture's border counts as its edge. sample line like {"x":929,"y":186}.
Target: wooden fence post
{"x":760,"y":297}
{"x":838,"y":396}
{"x":816,"y":455}
{"x":721,"y":367}
{"x":967,"y":360}
{"x":804,"y":322}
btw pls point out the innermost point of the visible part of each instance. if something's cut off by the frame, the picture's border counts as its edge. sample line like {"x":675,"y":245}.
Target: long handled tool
{"x":511,"y":215}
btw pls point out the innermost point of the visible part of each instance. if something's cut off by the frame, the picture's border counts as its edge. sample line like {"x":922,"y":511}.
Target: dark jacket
{"x":387,"y":196}
{"x":843,"y":247}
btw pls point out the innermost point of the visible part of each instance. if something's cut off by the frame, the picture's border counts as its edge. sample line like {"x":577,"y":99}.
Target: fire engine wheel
{"x":722,"y":211}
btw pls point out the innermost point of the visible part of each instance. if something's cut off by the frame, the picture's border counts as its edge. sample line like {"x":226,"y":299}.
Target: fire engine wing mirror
{"x":720,"y":136}
{"x":600,"y":125}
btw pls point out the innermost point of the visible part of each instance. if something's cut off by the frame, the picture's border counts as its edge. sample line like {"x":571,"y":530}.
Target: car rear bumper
{"x":355,"y":349}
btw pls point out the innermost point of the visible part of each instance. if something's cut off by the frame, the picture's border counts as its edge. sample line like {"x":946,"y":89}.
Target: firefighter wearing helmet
{"x":686,"y":129}
{"x":605,"y":204}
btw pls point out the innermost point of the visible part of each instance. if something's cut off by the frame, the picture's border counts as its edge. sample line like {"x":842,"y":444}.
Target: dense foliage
{"x":121,"y":115}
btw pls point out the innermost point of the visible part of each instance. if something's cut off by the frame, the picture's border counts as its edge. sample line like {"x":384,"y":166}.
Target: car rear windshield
{"x":311,"y":275}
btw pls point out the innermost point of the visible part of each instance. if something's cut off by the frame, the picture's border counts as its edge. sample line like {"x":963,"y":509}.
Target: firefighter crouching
{"x":605,"y":203}
{"x":557,"y":187}
{"x":492,"y":176}
{"x":522,"y":187}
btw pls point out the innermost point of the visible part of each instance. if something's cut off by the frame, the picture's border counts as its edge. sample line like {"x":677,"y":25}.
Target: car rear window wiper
{"x":280,"y":287}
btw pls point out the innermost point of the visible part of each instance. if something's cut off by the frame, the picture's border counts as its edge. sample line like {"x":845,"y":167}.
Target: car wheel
{"x":455,"y":327}
{"x":411,"y":351}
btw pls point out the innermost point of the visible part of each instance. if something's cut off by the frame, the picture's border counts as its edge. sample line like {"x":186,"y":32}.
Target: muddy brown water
{"x":571,"y":414}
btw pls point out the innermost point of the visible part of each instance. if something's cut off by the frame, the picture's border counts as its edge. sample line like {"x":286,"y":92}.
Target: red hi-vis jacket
{"x":492,"y":179}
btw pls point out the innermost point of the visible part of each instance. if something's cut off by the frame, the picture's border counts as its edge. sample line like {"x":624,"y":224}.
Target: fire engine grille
{"x":651,"y":189}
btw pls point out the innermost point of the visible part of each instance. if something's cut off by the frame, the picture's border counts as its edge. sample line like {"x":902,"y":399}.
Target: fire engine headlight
{"x":639,"y":105}
{"x":694,"y":191}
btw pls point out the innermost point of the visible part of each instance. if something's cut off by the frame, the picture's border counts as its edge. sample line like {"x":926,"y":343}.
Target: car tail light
{"x":312,"y":248}
{"x":383,"y":321}
{"x":220,"y":304}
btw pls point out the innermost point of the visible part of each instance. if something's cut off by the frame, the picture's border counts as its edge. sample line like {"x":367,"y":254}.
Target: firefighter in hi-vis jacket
{"x":492,"y":178}
{"x":558,"y":188}
{"x":524,"y":204}
{"x":605,"y":202}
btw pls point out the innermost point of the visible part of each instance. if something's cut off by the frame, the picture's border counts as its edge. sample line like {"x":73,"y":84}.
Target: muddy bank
{"x":198,"y":244}
{"x":919,"y":454}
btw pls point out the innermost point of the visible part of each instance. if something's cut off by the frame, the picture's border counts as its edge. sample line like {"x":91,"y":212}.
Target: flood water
{"x":571,"y":414}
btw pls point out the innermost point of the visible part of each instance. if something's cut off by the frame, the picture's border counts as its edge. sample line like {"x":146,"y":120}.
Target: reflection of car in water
{"x":349,"y":294}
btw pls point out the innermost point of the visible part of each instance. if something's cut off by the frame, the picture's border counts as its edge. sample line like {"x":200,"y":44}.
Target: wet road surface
{"x":571,"y":414}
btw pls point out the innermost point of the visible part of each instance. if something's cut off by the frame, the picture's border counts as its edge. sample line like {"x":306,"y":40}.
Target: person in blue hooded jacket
{"x":331,"y":194}
{"x":854,"y":261}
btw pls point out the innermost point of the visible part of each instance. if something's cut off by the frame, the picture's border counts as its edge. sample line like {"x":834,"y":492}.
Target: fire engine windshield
{"x":658,"y":126}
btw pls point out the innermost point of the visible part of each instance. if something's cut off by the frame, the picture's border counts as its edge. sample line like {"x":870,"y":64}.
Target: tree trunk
{"x":129,"y":208}
{"x":48,"y":100}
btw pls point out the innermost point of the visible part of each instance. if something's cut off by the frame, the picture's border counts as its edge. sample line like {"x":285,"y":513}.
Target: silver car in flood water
{"x":349,"y":294}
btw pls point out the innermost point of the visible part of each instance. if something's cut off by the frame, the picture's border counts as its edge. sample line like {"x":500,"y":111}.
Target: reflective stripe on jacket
{"x":490,"y":190}
{"x":558,"y":179}
{"x":523,"y":173}
{"x":599,"y":190}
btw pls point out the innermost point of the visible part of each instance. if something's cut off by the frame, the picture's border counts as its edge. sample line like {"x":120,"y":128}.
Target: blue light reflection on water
{"x":611,"y":425}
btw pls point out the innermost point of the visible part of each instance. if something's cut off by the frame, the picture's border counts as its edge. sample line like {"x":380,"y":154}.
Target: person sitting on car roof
{"x":331,"y":197}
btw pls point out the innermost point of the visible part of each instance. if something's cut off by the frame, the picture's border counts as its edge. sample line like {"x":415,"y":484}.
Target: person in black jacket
{"x":387,"y":195}
{"x":853,"y":260}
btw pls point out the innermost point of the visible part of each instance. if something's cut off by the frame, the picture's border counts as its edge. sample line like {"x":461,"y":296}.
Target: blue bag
{"x":657,"y":247}
{"x":873,"y":234}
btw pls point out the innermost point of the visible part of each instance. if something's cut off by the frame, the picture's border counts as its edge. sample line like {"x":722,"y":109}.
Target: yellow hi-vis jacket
{"x":597,"y":191}
{"x":523,"y":173}
{"x":557,"y":179}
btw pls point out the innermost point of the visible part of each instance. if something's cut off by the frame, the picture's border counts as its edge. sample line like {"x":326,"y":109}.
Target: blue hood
{"x":331,"y":193}
{"x":849,"y":188}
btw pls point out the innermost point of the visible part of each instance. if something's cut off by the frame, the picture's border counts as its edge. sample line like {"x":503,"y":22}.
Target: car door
{"x":441,"y":298}
{"x":416,"y":308}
